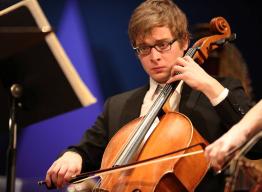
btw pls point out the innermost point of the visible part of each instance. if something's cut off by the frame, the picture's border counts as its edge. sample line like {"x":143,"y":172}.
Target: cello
{"x":138,"y":141}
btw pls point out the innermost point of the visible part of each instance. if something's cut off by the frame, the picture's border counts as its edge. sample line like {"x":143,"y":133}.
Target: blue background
{"x":94,"y":35}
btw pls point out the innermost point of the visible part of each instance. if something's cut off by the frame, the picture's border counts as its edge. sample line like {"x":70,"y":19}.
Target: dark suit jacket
{"x":211,"y":122}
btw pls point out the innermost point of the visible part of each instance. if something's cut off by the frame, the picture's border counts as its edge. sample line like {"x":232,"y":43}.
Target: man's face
{"x":158,"y":63}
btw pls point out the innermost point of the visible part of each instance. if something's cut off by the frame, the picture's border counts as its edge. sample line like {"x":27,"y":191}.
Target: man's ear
{"x":185,"y":44}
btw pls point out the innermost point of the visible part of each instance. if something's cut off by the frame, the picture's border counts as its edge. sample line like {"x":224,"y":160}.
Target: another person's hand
{"x":245,"y":129}
{"x":61,"y":171}
{"x":218,"y":151}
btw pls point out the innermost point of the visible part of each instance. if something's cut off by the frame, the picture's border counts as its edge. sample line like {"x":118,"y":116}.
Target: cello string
{"x":133,"y":132}
{"x":130,"y":136}
{"x":96,"y":186}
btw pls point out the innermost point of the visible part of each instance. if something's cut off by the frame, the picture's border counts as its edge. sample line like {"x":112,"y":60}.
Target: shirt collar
{"x":153,"y":84}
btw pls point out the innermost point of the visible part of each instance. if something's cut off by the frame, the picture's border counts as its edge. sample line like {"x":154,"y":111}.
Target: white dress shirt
{"x":153,"y":93}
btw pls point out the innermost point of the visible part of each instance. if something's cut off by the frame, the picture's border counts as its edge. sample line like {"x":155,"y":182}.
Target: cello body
{"x":175,"y":131}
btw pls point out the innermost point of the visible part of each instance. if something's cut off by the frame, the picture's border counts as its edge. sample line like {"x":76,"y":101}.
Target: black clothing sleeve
{"x":93,"y":143}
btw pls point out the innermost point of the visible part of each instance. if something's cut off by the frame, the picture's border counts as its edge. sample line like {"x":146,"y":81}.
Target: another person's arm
{"x":249,"y":125}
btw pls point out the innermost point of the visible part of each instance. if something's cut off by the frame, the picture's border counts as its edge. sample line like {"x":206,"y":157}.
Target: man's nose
{"x":155,"y":54}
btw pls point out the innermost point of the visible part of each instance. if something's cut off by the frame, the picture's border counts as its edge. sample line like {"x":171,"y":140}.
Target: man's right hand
{"x":63,"y":169}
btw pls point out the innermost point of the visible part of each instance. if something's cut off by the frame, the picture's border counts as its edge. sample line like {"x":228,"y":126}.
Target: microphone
{"x":16,"y":90}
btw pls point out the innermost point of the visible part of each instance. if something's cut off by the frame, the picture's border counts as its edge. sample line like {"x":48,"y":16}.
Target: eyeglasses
{"x":160,"y":47}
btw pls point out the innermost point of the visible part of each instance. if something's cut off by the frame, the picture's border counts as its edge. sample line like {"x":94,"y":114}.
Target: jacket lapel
{"x":133,"y":105}
{"x":188,"y":100}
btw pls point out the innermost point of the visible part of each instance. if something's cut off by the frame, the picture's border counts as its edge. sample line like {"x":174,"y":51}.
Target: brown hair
{"x":157,"y":13}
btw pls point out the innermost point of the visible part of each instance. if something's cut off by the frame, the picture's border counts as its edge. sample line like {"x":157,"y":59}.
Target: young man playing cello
{"x":158,"y":32}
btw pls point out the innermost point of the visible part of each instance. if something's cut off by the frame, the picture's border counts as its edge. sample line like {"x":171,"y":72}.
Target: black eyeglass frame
{"x":156,"y":46}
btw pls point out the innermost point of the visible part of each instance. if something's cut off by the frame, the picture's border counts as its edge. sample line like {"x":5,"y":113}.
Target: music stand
{"x":37,"y":79}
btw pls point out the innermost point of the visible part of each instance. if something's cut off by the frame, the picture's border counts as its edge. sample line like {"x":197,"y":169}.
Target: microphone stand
{"x":237,"y":162}
{"x":16,"y":92}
